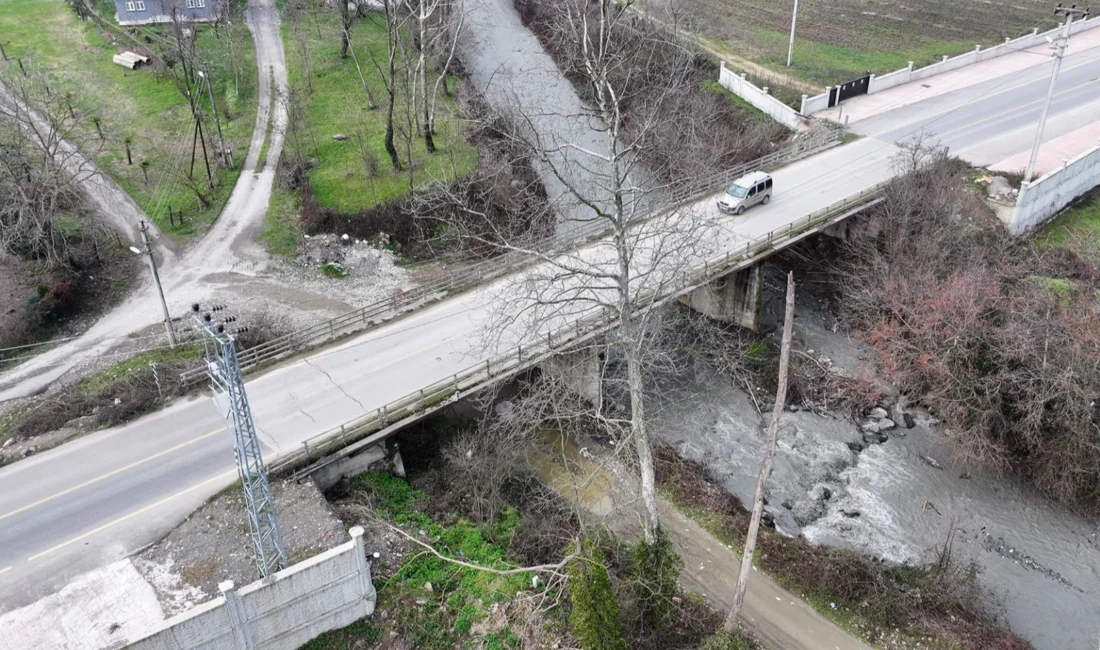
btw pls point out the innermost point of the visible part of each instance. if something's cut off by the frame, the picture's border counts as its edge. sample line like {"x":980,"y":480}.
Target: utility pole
{"x":226,"y":155}
{"x":794,"y":20}
{"x":148,"y":251}
{"x":1070,"y":13}
{"x":226,"y":380}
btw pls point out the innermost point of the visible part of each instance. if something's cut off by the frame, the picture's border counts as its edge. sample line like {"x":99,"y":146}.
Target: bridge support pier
{"x":578,"y":371}
{"x":376,"y":457}
{"x":734,"y":298}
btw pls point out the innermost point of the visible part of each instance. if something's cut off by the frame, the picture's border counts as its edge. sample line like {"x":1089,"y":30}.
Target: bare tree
{"x":626,"y":275}
{"x":42,"y":167}
{"x":765,"y":463}
{"x":394,"y":23}
{"x":439,"y":24}
{"x":345,"y":27}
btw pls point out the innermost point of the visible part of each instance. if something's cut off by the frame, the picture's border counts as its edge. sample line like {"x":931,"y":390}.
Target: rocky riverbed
{"x":893,"y":491}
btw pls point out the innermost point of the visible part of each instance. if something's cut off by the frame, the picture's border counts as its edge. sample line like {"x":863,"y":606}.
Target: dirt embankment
{"x":214,"y":545}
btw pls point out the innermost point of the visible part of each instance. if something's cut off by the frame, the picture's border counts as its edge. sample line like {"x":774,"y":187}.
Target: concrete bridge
{"x":103,"y":496}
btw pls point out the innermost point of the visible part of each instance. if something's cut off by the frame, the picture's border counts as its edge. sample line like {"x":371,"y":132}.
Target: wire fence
{"x":449,"y":389}
{"x":451,"y":283}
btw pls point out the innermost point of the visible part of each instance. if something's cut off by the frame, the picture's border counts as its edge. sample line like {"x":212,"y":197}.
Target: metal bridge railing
{"x":489,"y":269}
{"x":484,"y":373}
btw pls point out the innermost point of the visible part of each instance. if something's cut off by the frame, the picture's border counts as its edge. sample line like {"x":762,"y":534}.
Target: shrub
{"x":723,"y":640}
{"x":595,"y":615}
{"x":655,"y":569}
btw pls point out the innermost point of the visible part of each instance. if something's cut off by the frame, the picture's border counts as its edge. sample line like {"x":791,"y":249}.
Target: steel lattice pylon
{"x":225,"y":378}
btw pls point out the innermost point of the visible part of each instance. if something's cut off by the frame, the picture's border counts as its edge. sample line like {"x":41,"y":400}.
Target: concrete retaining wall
{"x":326,"y":592}
{"x":759,"y":97}
{"x":1041,"y":199}
{"x":907,"y":74}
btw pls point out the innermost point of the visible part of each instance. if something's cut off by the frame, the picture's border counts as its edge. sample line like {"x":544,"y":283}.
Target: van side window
{"x":768,"y":184}
{"x":752,"y":192}
{"x":760,"y":187}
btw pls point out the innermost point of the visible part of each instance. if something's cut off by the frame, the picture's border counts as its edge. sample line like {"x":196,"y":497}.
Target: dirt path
{"x":226,"y":265}
{"x":115,"y":205}
{"x":778,"y":618}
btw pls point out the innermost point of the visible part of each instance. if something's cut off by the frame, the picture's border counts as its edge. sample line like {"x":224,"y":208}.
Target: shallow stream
{"x":897,"y":500}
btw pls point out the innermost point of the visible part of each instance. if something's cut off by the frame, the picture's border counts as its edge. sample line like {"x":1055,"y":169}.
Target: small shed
{"x":130,"y":60}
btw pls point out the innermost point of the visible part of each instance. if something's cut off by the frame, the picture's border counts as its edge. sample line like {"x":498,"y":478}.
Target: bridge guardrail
{"x":492,"y":268}
{"x":507,"y":364}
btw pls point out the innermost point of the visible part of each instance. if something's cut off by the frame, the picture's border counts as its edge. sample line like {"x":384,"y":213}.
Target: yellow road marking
{"x":222,"y":476}
{"x":109,"y":474}
{"x":5,"y":570}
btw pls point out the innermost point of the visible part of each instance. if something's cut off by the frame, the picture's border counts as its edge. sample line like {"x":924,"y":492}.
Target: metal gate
{"x":849,"y":89}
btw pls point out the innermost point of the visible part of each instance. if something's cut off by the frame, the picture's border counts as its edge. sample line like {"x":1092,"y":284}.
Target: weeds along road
{"x":98,"y":499}
{"x":227,"y":248}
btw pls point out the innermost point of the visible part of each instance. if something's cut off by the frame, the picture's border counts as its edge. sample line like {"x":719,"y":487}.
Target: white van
{"x":746,"y":192}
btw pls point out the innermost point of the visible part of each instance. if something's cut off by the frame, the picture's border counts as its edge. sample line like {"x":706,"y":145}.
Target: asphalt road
{"x":97,"y":499}
{"x":995,"y":119}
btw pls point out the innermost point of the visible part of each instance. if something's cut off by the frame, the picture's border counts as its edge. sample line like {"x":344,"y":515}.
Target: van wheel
{"x":767,"y":197}
{"x":740,"y":210}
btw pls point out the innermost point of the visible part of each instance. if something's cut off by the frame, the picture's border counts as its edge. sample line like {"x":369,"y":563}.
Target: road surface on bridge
{"x":100,"y":498}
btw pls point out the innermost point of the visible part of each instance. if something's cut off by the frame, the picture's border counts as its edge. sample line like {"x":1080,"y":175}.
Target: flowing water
{"x":509,"y":66}
{"x":897,"y":500}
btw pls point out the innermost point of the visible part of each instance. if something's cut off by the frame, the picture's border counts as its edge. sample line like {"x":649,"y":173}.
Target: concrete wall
{"x":326,"y":592}
{"x":759,"y":97}
{"x":578,"y":371}
{"x":734,"y":298}
{"x":907,"y":74}
{"x":1041,"y":199}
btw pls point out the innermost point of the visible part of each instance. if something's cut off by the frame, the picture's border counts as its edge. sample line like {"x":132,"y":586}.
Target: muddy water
{"x":509,"y":66}
{"x":1040,"y":563}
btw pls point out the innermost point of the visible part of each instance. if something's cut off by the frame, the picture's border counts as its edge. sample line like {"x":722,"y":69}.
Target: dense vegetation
{"x":999,"y":337}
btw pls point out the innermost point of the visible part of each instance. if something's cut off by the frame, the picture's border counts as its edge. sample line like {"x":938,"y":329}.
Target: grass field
{"x":338,"y":105}
{"x":1077,"y":228}
{"x":838,"y":40}
{"x":144,"y":105}
{"x":281,"y":231}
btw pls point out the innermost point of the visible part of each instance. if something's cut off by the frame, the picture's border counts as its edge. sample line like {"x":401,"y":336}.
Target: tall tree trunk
{"x":345,"y":22}
{"x":765,"y":464}
{"x":390,"y":148}
{"x":422,"y":64}
{"x":642,"y":445}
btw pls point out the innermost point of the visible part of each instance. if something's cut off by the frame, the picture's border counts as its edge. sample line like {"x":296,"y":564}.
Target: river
{"x":1039,"y":562}
{"x":517,"y":77}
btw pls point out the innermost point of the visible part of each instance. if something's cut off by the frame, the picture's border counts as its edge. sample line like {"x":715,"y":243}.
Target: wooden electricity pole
{"x":765,"y":464}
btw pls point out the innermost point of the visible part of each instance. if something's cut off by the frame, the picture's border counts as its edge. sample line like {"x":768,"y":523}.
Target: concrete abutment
{"x":579,"y":371}
{"x":734,"y":298}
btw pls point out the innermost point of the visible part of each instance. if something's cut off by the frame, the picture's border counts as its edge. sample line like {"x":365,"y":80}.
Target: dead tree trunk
{"x":765,"y":464}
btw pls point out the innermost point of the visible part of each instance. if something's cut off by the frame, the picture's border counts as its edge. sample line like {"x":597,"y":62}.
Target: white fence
{"x":1041,"y":199}
{"x":878,"y":83}
{"x":759,"y":97}
{"x":326,"y":592}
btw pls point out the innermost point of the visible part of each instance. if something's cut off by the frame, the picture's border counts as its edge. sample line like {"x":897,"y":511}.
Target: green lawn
{"x":143,"y":105}
{"x":1077,"y":228}
{"x":281,"y":231}
{"x":338,"y":105}
{"x":825,"y":64}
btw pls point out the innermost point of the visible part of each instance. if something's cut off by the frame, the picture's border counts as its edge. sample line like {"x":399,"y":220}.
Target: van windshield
{"x":738,"y":191}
